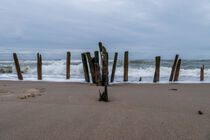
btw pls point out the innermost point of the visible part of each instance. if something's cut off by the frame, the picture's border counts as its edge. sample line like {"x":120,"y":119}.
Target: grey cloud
{"x":144,"y":27}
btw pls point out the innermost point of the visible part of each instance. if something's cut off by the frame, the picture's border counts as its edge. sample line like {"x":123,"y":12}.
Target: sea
{"x":54,"y":70}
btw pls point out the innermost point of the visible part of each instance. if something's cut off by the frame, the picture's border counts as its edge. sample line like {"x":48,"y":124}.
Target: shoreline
{"x":114,"y":83}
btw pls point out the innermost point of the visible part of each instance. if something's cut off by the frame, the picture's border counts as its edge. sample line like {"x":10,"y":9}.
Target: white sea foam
{"x":54,"y":70}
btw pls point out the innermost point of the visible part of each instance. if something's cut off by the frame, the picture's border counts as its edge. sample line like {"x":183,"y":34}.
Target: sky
{"x":146,"y":28}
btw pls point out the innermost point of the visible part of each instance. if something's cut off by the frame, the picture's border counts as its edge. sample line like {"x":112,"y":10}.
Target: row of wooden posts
{"x":99,"y":70}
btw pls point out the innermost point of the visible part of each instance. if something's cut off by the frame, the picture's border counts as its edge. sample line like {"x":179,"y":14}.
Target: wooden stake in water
{"x":17,"y":65}
{"x":176,"y":77}
{"x":39,"y":66}
{"x":202,"y":73}
{"x":126,"y":66}
{"x":114,"y":67}
{"x":157,"y":69}
{"x":173,"y":68}
{"x":85,"y":67}
{"x":68,"y":62}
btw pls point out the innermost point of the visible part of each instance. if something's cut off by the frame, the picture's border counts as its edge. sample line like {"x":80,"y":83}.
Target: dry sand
{"x":71,"y":111}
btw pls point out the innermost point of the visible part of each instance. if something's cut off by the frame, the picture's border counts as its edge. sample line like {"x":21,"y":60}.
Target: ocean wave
{"x":56,"y":70}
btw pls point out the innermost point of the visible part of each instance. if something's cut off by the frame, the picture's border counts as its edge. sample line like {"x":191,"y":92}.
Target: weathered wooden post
{"x":85,"y":67}
{"x":202,"y":73}
{"x":104,"y":96}
{"x":68,"y":62}
{"x":176,"y":77}
{"x":97,"y":74}
{"x":101,"y":49}
{"x":157,"y":69}
{"x":39,"y":66}
{"x":114,"y":67}
{"x":126,"y":66}
{"x":96,"y":57}
{"x":104,"y":64}
{"x":17,"y":65}
{"x":91,"y":66}
{"x":173,"y":68}
{"x":97,"y":69}
{"x":40,"y":59}
{"x":105,"y":71}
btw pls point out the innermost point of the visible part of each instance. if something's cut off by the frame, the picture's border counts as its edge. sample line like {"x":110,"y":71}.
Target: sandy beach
{"x":71,"y":111}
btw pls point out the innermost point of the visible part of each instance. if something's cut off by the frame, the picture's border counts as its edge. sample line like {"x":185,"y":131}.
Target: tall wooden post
{"x":85,"y":67}
{"x":97,"y":74}
{"x":97,"y":69}
{"x":202,"y":73}
{"x":157,"y":69}
{"x":114,"y":67}
{"x":40,"y":62}
{"x":91,"y":66}
{"x":17,"y":65}
{"x":105,"y":71}
{"x":173,"y":68}
{"x":126,"y":66}
{"x":39,"y":66}
{"x":68,"y":61}
{"x":176,"y":77}
{"x":104,"y":64}
{"x":101,"y":49}
{"x":96,"y":57}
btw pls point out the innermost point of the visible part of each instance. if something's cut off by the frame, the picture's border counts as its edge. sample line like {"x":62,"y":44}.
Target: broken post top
{"x":101,"y":47}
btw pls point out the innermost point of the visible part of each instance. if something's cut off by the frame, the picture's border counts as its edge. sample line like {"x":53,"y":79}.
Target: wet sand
{"x":71,"y":111}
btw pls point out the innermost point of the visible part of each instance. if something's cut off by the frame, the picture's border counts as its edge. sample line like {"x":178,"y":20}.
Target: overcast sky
{"x":144,"y":27}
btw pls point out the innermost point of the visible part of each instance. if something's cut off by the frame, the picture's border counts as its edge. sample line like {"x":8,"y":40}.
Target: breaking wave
{"x":54,"y":70}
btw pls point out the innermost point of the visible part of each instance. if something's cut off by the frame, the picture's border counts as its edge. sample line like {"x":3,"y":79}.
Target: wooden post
{"x":105,"y":71}
{"x":68,"y":61}
{"x":97,"y":74}
{"x":85,"y":67}
{"x":100,"y":46}
{"x":173,"y":68}
{"x":96,"y":57}
{"x":176,"y":77}
{"x":39,"y":66}
{"x":91,"y":66}
{"x":104,"y":96}
{"x":17,"y":65}
{"x":104,"y":64}
{"x":97,"y":69}
{"x":40,"y":62}
{"x":202,"y":73}
{"x":114,"y":67}
{"x":126,"y":66}
{"x":101,"y":49}
{"x":157,"y":69}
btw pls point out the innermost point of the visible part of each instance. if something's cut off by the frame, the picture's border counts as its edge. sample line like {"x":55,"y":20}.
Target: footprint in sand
{"x":31,"y":92}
